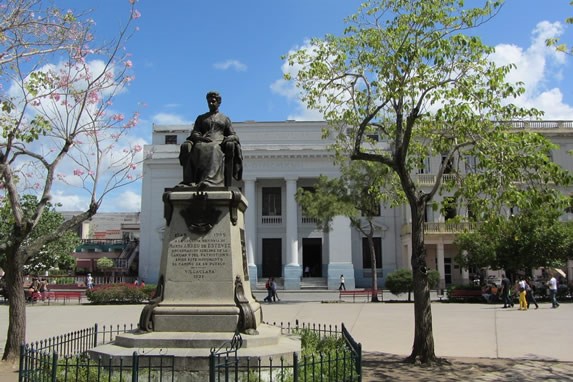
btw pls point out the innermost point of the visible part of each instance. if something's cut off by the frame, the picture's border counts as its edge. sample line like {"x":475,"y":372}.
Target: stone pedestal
{"x":204,"y":295}
{"x":204,"y":273}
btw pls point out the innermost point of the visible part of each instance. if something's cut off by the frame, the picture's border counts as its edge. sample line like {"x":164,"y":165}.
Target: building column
{"x":441,"y":265}
{"x":251,"y":230}
{"x":339,"y":247}
{"x":292,"y":271}
{"x":465,"y":272}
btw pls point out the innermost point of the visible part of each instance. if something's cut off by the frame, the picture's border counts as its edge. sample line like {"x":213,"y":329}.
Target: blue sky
{"x":185,"y":48}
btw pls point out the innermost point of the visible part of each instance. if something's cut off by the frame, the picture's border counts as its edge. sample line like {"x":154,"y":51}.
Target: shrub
{"x":400,"y":281}
{"x":116,"y":294}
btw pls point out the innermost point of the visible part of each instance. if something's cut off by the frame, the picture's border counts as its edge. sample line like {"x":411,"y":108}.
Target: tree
{"x":104,"y":264}
{"x":531,"y":238}
{"x":401,"y":281}
{"x":56,"y":254}
{"x":356,"y":194}
{"x":406,"y":72}
{"x":57,"y":126}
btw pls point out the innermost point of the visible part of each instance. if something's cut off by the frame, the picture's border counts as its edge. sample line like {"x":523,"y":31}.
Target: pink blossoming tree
{"x":57,"y":123}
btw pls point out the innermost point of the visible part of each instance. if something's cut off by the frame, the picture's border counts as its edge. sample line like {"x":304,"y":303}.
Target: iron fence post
{"x":212,"y":366}
{"x":295,"y":367}
{"x":95,"y":336}
{"x":134,"y":367}
{"x":21,"y":366}
{"x":359,"y":362}
{"x":54,"y":367}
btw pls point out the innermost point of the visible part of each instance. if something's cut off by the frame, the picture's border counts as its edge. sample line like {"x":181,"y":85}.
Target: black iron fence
{"x":338,"y":357}
{"x":64,"y":359}
{"x":330,"y":354}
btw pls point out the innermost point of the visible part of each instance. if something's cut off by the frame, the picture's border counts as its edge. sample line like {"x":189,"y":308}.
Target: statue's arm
{"x":230,"y":135}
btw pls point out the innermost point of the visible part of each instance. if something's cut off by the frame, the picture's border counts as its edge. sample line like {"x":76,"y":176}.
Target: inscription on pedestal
{"x":200,"y":259}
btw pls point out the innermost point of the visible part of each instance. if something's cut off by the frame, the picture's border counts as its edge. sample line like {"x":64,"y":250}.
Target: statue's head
{"x":215,"y":95}
{"x":214,"y":100}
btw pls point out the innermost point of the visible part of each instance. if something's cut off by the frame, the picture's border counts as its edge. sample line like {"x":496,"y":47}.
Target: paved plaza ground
{"x":479,"y":342}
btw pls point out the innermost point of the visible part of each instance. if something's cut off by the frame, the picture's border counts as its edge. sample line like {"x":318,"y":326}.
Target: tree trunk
{"x":373,"y":265}
{"x":423,"y":347}
{"x":16,"y":308}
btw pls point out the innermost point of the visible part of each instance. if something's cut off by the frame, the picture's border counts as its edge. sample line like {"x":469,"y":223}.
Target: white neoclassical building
{"x":279,"y":158}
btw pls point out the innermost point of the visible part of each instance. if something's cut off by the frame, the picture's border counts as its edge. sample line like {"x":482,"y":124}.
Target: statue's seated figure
{"x":211,"y":156}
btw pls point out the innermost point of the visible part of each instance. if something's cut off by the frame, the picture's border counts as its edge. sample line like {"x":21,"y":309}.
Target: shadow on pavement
{"x":390,"y":367}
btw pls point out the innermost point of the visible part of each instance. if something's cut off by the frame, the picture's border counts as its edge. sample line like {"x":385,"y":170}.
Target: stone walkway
{"x":479,"y":342}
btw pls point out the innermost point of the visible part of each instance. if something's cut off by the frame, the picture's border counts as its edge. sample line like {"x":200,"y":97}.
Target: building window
{"x":366,"y":259}
{"x":447,"y":164}
{"x":471,"y":163}
{"x":449,"y":208}
{"x":424,"y":166}
{"x":171,"y":139}
{"x":272,"y":205}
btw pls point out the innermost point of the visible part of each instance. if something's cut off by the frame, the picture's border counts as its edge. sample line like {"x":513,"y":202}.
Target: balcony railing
{"x":539,"y":124}
{"x":271,"y":220}
{"x":430,"y":179}
{"x":307,"y":220}
{"x":441,"y":228}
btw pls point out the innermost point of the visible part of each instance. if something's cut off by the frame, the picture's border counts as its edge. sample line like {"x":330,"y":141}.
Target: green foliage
{"x":104,"y":264}
{"x":56,"y":254}
{"x":401,"y":281}
{"x":118,"y":294}
{"x":532,"y":238}
{"x":324,"y":357}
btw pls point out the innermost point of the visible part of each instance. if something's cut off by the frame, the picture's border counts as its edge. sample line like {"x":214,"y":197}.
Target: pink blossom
{"x":91,"y":173}
{"x":133,"y":166}
{"x":137,"y":148}
{"x":135,"y":14}
{"x":78,"y":172}
{"x":129,"y":177}
{"x":132,"y":1}
{"x":118,"y":117}
{"x":128,"y":64}
{"x":93,"y":97}
{"x":55,"y":96}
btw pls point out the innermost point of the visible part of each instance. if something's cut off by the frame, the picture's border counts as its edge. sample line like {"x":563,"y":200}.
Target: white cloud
{"x":124,"y":201}
{"x":288,"y":90}
{"x":169,"y":119}
{"x":69,"y":200}
{"x":540,"y":68}
{"x":231,"y":64}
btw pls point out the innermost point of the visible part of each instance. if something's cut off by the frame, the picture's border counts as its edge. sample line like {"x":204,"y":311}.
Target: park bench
{"x":64,"y":296}
{"x":367,"y":293}
{"x":466,"y":294}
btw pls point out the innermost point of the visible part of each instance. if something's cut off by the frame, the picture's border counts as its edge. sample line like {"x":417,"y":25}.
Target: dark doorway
{"x":448,"y":270}
{"x":312,"y":257}
{"x":272,"y":258}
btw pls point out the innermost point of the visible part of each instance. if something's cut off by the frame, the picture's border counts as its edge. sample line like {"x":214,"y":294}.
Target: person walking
{"x":505,"y":291}
{"x":269,"y":288}
{"x":342,"y":285}
{"x":521,"y":287}
{"x":529,"y":290}
{"x":90,"y":281}
{"x":552,"y":284}
{"x":274,"y":291}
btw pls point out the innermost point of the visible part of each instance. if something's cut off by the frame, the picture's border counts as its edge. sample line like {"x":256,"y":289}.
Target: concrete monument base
{"x":191,"y":350}
{"x":203,"y":299}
